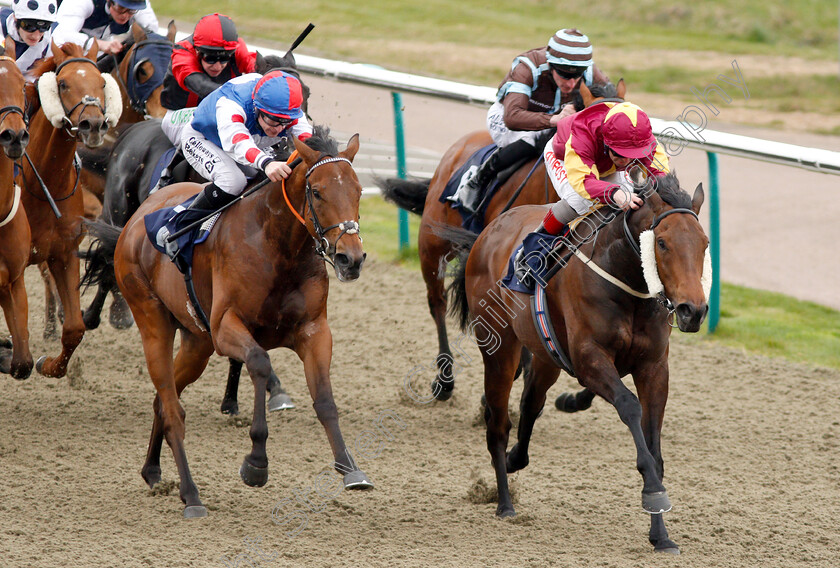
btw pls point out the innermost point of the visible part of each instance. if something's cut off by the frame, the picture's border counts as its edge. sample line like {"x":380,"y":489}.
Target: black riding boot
{"x":211,"y":198}
{"x":502,"y":158}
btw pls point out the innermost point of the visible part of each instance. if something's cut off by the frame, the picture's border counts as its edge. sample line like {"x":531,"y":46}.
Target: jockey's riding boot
{"x":532,"y":261}
{"x":499,"y":160}
{"x":212,"y":198}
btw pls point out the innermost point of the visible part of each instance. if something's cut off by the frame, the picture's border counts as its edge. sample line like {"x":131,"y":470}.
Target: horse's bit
{"x":86,"y":101}
{"x":322,"y":245}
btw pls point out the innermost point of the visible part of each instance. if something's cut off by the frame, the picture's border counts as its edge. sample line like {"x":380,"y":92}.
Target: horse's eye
{"x":661,"y":244}
{"x":316,"y":195}
{"x":62,"y":86}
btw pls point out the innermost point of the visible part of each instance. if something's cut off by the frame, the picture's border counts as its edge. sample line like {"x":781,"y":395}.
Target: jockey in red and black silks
{"x":205,"y":61}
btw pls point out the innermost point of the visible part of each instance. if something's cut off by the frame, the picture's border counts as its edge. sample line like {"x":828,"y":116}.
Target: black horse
{"x":128,"y":182}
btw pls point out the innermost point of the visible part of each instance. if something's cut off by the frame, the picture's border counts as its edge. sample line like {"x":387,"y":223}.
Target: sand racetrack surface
{"x":750,"y":445}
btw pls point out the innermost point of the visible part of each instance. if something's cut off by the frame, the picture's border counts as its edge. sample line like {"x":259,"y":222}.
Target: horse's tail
{"x":99,"y":258}
{"x":462,"y":242}
{"x":410,"y":194}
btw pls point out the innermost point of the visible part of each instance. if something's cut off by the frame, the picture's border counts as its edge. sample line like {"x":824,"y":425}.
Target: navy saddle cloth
{"x":474,"y":223}
{"x":169,"y":220}
{"x":535,"y":247}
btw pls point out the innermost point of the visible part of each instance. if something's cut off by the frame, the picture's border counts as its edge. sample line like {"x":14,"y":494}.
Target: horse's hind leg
{"x":433,"y":267}
{"x":499,"y":370}
{"x":15,"y":308}
{"x":50,"y":303}
{"x":189,"y":364}
{"x":119,"y":315}
{"x":91,"y":316}
{"x":542,"y":375}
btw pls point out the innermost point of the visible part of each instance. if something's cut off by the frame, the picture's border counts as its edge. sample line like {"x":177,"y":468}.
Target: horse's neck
{"x":280,"y":225}
{"x":613,"y":252}
{"x":7,"y":183}
{"x":55,"y":146}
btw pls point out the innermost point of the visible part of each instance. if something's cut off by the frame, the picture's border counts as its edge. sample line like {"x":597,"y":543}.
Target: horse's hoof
{"x":357,"y":480}
{"x":442,"y":391}
{"x":656,"y":503}
{"x":6,"y":342}
{"x":668,"y":547}
{"x":120,"y":318}
{"x":195,"y":511}
{"x":253,"y":475}
{"x":90,"y":319}
{"x":22,"y":372}
{"x":566,"y":402}
{"x":151,"y":476}
{"x":280,"y":401}
{"x":505,"y":512}
{"x":230,"y":407}
{"x":39,"y":364}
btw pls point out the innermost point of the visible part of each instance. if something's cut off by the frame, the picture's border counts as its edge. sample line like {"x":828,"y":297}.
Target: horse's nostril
{"x":342,"y":260}
{"x":6,"y":137}
{"x":685,"y":310}
{"x":84,"y":126}
{"x":24,"y":138}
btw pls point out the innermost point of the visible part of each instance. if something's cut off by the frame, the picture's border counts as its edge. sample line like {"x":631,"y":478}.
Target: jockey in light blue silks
{"x":226,"y":137}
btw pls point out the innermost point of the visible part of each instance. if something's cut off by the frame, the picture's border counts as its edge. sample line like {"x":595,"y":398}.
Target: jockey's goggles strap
{"x":286,"y":196}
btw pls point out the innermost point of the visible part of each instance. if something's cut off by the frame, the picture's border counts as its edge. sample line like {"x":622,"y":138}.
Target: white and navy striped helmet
{"x":44,"y":10}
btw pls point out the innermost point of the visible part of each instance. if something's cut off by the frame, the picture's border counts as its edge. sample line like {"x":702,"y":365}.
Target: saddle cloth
{"x":462,"y":175}
{"x":164,"y":222}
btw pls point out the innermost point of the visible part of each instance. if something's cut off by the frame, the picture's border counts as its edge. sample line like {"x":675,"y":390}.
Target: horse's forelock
{"x":321,"y":141}
{"x":49,"y":64}
{"x":604,"y":90}
{"x":668,"y":188}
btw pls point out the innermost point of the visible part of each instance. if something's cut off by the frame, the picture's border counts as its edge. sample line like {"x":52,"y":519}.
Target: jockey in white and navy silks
{"x":107,"y":21}
{"x":226,"y":136}
{"x":30,"y":24}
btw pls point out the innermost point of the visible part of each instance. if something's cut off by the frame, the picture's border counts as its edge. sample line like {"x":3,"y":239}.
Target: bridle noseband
{"x":322,"y":245}
{"x":86,"y":101}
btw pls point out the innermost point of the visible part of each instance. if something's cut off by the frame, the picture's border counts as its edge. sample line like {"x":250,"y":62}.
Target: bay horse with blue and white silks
{"x":607,"y":317}
{"x":77,"y":102}
{"x":529,"y":185}
{"x":262,"y":275}
{"x":14,"y":227}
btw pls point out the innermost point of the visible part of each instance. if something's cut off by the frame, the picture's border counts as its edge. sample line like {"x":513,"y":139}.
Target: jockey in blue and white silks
{"x":30,"y":24}
{"x":226,"y":136}
{"x":106,"y":21}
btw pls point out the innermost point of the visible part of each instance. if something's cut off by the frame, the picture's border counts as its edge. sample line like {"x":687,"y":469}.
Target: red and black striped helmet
{"x":215,"y":32}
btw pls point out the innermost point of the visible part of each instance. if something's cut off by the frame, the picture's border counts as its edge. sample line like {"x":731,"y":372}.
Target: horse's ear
{"x":621,"y":89}
{"x":171,"y":30}
{"x":93,"y":51}
{"x":656,"y":203}
{"x":138,"y":33}
{"x":699,"y":197}
{"x":10,"y":53}
{"x":585,"y":93}
{"x":309,"y":155}
{"x":352,"y":148}
{"x":58,"y":53}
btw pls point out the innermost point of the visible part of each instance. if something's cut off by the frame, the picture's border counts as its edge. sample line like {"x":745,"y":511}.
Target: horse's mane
{"x":321,"y":140}
{"x":605,"y":90}
{"x":668,"y":188}
{"x":48,"y":64}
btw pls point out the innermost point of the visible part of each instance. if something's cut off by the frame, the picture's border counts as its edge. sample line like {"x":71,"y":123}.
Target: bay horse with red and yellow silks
{"x":77,"y":102}
{"x":529,"y":185}
{"x":608,"y":329}
{"x":261,"y":278}
{"x":14,"y":227}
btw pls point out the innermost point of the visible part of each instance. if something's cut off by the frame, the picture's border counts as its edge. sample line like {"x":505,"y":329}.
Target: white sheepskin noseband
{"x":651,"y":273}
{"x":54,"y":111}
{"x":113,"y":100}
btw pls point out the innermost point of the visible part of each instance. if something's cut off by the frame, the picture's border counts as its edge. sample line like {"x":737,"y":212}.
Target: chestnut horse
{"x":261,"y":276}
{"x":528,"y":185}
{"x":76,"y":102}
{"x":14,"y":228}
{"x":608,"y":328}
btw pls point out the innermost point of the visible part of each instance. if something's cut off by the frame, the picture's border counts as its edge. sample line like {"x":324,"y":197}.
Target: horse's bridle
{"x":322,"y":245}
{"x":86,"y":101}
{"x":138,"y":105}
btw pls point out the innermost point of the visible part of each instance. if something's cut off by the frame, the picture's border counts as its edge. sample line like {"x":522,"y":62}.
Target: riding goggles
{"x":568,"y":71}
{"x":34,"y":25}
{"x":276,"y":121}
{"x":212,"y":57}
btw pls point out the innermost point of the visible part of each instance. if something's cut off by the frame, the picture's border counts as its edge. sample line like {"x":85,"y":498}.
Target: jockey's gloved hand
{"x":276,"y":171}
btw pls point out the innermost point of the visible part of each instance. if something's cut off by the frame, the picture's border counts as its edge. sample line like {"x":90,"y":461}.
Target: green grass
{"x":761,"y":322}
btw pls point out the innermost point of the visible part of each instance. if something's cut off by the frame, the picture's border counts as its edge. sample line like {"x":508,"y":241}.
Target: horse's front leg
{"x":313,"y":344}
{"x":16,"y":310}
{"x":50,"y":302}
{"x":65,"y":271}
{"x":233,"y":340}
{"x":652,"y":385}
{"x":598,"y":374}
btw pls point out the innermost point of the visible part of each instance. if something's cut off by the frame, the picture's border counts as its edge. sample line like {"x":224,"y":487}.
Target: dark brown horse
{"x":607,"y":331}
{"x":76,"y":102}
{"x":263,"y":284}
{"x":423,"y":198}
{"x":14,"y":228}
